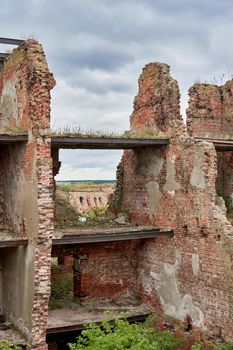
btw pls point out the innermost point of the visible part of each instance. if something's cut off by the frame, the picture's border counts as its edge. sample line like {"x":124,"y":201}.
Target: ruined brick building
{"x":172,"y":180}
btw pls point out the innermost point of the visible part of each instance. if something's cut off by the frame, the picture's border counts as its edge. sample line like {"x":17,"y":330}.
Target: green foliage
{"x":54,"y":262}
{"x":144,"y":133}
{"x":228,"y":346}
{"x":6,"y":345}
{"x":120,"y":335}
{"x":227,"y":200}
{"x":61,"y":292}
{"x":196,"y":346}
{"x":228,"y":203}
{"x":96,"y":214}
{"x":73,"y":186}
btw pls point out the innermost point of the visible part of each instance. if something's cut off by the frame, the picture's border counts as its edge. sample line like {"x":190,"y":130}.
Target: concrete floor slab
{"x":95,"y":311}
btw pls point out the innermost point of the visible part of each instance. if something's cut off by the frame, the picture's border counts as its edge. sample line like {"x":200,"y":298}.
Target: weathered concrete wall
{"x":174,"y":187}
{"x":187,"y":275}
{"x":20,"y":190}
{"x":3,"y":217}
{"x":192,"y":273}
{"x":25,"y":84}
{"x":210,"y":112}
{"x":141,"y":194}
{"x":17,"y":277}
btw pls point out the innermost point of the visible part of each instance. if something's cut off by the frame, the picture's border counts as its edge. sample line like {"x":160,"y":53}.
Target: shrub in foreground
{"x":120,"y":335}
{"x":6,"y":345}
{"x":228,"y":346}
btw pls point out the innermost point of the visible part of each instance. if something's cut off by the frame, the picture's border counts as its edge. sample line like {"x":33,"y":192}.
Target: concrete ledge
{"x":220,"y":145}
{"x":8,"y":139}
{"x":111,"y":237}
{"x":105,"y":142}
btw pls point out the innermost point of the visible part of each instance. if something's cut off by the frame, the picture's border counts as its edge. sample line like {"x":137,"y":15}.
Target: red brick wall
{"x":190,"y":274}
{"x":175,"y":188}
{"x":107,"y":270}
{"x":171,"y":187}
{"x":156,"y":107}
{"x":142,"y":169}
{"x":65,"y":262}
{"x":101,"y":271}
{"x":25,"y":85}
{"x":210,"y":110}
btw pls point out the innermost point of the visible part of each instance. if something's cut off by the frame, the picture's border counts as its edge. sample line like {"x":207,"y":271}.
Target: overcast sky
{"x":97,"y":48}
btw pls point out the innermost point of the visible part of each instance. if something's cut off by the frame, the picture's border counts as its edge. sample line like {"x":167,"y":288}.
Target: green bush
{"x":120,"y":335}
{"x":61,"y":291}
{"x":62,"y":286}
{"x":228,"y":346}
{"x":6,"y":345}
{"x":196,"y":346}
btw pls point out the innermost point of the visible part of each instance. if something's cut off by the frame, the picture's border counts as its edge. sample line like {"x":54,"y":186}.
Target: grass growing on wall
{"x":78,"y":131}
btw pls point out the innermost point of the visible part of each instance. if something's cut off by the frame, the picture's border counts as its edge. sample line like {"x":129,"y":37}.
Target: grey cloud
{"x":81,"y":159}
{"x":97,"y":50}
{"x":208,"y":7}
{"x":106,"y":58}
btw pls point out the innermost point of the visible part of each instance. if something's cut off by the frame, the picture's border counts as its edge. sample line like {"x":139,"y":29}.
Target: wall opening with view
{"x":85,"y":185}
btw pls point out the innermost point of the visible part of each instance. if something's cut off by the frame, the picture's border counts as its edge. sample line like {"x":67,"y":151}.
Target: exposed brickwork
{"x":107,"y":271}
{"x":28,"y":184}
{"x":172,"y":187}
{"x":175,"y":187}
{"x":156,"y":107}
{"x":210,"y":110}
{"x":101,"y":271}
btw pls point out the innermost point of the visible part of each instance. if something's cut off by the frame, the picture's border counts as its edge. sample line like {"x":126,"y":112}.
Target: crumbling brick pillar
{"x":156,"y":114}
{"x":25,"y":84}
{"x":210,"y":111}
{"x":157,"y":105}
